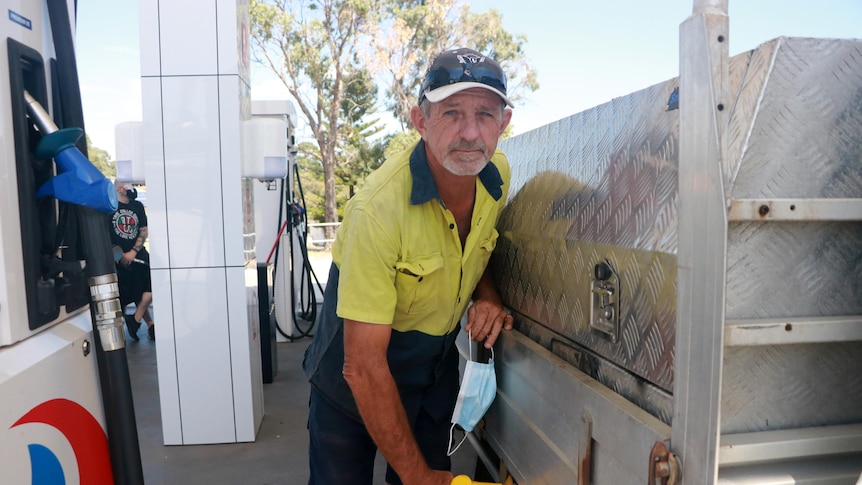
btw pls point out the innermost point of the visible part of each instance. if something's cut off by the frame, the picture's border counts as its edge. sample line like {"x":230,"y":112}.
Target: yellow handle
{"x":465,"y":480}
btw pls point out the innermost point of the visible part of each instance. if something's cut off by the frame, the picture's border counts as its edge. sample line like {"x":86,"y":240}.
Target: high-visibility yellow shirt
{"x":398,"y":251}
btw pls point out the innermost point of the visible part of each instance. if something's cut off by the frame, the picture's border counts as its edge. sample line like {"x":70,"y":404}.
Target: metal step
{"x":831,"y":470}
{"x":789,"y":445}
{"x":745,"y":210}
{"x":783,"y":331}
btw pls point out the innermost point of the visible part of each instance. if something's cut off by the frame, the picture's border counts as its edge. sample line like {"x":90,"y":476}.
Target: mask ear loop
{"x":450,"y":451}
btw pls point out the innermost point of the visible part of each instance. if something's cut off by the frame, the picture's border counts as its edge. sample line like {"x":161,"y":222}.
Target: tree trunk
{"x":330,"y":208}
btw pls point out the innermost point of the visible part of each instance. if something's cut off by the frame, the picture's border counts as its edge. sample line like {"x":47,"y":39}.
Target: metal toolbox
{"x":588,"y":250}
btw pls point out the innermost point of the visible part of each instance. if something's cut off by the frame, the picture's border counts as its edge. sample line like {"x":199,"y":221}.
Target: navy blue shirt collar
{"x":425,"y":188}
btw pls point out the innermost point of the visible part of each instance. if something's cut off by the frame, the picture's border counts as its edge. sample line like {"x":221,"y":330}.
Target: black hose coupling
{"x":105,"y":295}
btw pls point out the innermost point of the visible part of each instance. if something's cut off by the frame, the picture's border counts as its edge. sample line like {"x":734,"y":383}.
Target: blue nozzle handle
{"x":79,"y":181}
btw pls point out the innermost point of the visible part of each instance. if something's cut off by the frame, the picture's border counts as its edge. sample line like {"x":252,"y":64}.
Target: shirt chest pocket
{"x":419,"y":283}
{"x":486,"y":247}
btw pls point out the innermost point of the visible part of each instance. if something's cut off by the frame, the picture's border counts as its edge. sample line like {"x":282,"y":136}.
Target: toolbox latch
{"x":605,"y":307}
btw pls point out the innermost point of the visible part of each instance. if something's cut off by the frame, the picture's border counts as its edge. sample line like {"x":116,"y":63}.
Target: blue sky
{"x":586,"y":52}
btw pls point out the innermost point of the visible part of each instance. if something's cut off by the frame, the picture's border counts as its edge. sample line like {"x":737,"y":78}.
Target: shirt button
{"x":451,"y":226}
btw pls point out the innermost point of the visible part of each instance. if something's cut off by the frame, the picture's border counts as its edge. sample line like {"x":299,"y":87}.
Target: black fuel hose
{"x":101,"y":273}
{"x":307,"y":296}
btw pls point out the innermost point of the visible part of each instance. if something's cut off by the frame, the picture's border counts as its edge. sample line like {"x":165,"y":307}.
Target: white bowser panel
{"x":233,"y":107}
{"x":166,"y":358}
{"x":188,"y":29}
{"x":57,"y":426}
{"x":129,"y":148}
{"x":245,"y":347}
{"x":154,"y":163}
{"x":264,"y":148}
{"x":24,"y":24}
{"x":193,"y":178}
{"x":268,"y":199}
{"x":148,"y":32}
{"x":234,"y":38}
{"x":203,"y":355}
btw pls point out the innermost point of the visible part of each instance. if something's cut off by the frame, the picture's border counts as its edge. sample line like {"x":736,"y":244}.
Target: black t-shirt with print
{"x":126,"y":224}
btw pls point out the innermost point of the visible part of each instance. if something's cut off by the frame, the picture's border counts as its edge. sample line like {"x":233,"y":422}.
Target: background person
{"x":410,"y":254}
{"x":128,"y":233}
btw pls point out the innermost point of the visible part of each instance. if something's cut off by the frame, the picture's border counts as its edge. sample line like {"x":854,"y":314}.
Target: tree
{"x":310,"y":181}
{"x":312,"y":45}
{"x":420,"y":29}
{"x":330,"y":53}
{"x":101,"y":159}
{"x":359,"y":156}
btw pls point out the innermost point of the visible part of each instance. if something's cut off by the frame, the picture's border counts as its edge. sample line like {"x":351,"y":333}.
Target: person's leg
{"x":433,"y":439}
{"x":148,"y":317}
{"x":142,"y":308}
{"x":127,"y":288}
{"x":133,"y":326}
{"x":146,"y":302}
{"x":340,"y":450}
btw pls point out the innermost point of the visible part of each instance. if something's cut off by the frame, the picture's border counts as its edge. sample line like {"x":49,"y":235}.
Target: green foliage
{"x":312,"y":46}
{"x":311,"y":182}
{"x":359,"y":156}
{"x":332,"y":55}
{"x":101,"y":159}
{"x":403,"y":140}
{"x":419,"y":30}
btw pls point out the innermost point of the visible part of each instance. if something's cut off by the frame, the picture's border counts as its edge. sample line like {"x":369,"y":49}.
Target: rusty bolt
{"x":662,"y":469}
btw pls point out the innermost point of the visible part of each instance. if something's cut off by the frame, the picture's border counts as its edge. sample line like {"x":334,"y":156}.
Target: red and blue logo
{"x":85,"y":435}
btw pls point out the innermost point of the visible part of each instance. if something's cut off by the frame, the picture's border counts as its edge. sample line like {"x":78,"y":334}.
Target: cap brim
{"x":444,"y":92}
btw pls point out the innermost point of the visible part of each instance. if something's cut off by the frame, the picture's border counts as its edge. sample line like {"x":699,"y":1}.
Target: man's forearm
{"x":376,"y":395}
{"x":142,"y":237}
{"x":383,"y":413}
{"x":486,"y":289}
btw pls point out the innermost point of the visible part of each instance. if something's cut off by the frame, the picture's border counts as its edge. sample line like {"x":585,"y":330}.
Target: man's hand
{"x":487,"y":316}
{"x":128,"y":257}
{"x":433,"y":477}
{"x":485,"y":320}
{"x":439,"y":477}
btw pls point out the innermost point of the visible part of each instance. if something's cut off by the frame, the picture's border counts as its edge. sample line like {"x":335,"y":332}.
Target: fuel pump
{"x":55,"y":259}
{"x":80,"y":183}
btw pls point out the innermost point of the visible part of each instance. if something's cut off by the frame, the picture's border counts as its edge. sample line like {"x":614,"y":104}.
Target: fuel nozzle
{"x":78,"y":182}
{"x":40,"y":117}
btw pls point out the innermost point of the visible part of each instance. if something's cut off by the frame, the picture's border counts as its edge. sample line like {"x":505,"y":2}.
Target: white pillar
{"x":195,"y":94}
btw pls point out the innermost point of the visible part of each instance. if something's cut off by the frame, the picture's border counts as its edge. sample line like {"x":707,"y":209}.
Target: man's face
{"x":461,"y":132}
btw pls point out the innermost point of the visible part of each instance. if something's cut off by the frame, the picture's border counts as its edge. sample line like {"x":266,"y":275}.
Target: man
{"x":128,"y":233}
{"x":410,"y":255}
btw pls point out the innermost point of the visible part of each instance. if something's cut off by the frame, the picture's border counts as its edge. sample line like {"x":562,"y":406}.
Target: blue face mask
{"x":478,"y":389}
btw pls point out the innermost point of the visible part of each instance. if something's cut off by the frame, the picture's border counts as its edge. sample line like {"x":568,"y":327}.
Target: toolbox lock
{"x":605,"y":296}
